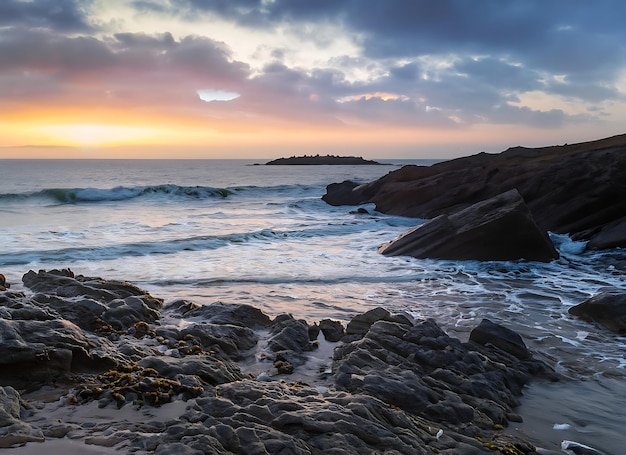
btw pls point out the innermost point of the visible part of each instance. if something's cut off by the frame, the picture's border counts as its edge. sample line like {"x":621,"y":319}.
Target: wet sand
{"x":580,"y":411}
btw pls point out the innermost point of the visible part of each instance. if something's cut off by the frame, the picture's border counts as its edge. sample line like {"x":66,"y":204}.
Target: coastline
{"x":447,"y":394}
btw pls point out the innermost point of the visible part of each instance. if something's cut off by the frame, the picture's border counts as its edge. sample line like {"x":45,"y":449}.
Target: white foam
{"x":561,"y":426}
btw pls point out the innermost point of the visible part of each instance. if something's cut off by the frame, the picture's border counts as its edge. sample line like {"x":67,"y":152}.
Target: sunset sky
{"x":269,"y":78}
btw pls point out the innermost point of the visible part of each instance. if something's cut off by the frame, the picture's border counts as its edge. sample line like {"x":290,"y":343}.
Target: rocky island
{"x":322,"y":160}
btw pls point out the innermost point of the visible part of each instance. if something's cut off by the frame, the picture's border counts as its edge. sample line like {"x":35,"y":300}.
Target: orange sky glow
{"x":103,"y":79}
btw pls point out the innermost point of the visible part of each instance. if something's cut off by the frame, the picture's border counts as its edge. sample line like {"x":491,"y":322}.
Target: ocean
{"x":238,"y":232}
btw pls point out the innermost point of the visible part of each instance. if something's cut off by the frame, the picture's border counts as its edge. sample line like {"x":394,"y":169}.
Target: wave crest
{"x":119,"y":193}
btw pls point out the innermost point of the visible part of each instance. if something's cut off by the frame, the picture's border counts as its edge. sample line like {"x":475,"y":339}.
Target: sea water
{"x":238,"y":232}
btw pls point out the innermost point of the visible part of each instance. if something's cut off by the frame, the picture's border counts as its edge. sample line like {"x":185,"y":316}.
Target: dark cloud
{"x":41,"y":51}
{"x":583,"y":41}
{"x":63,"y":15}
{"x":498,"y":73}
{"x":506,"y":114}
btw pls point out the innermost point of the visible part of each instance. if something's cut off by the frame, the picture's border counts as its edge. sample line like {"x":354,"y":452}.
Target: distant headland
{"x":321,"y":160}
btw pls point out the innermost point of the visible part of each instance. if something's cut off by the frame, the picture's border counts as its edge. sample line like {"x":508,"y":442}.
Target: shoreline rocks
{"x":497,"y":229}
{"x":575,"y":189}
{"x":393,"y":383}
{"x":607,"y":309}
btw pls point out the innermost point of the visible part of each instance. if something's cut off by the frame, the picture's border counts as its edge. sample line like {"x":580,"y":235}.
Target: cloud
{"x":64,"y":15}
{"x":209,"y":95}
{"x":449,"y":64}
{"x":509,"y":46}
{"x":39,"y":65}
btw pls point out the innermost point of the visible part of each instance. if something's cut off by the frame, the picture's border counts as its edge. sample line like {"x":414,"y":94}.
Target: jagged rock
{"x":222,"y":313}
{"x":361,"y":323}
{"x":12,"y":430}
{"x":289,"y":336}
{"x":607,"y":308}
{"x":497,"y":229}
{"x":227,"y":340}
{"x":421,"y":370}
{"x":506,"y":339}
{"x":400,"y":386}
{"x":210,"y":370}
{"x":118,"y":304}
{"x":577,"y":189}
{"x":32,"y":351}
{"x":64,"y":283}
{"x":332,"y":330}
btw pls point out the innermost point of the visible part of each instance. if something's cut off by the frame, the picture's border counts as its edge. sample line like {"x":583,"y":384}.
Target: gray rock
{"x":607,"y":308}
{"x":12,"y":430}
{"x":361,"y":323}
{"x":506,"y":339}
{"x":222,"y":313}
{"x":333,"y":330}
{"x":227,"y":339}
{"x":64,"y":283}
{"x":423,"y":371}
{"x":290,"y":337}
{"x":497,"y":229}
{"x":210,"y":370}
{"x":31,"y":350}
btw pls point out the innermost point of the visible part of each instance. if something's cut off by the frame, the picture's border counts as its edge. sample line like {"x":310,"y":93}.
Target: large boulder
{"x":498,"y":229}
{"x":34,"y":351}
{"x":607,"y":308}
{"x":577,"y":189}
{"x":343,"y":193}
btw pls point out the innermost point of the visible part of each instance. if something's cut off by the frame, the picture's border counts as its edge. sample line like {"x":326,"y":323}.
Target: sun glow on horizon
{"x":95,"y":134}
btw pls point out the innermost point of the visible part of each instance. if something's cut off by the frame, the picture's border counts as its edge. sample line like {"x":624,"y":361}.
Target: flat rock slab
{"x":497,"y":229}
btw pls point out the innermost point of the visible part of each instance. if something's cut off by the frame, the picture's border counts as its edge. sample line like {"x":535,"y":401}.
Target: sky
{"x":270,"y":78}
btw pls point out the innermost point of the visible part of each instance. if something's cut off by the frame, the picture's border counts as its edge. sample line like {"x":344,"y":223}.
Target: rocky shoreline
{"x":226,"y":378}
{"x":575,"y":189}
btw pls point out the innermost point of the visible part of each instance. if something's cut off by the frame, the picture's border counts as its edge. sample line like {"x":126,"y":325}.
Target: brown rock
{"x":577,"y":189}
{"x":498,"y":229}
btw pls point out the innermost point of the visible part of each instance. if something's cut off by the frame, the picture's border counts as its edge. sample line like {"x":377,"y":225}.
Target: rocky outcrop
{"x":344,"y":193}
{"x":497,"y":229}
{"x":395,"y":384}
{"x":418,"y":368}
{"x":577,"y":189}
{"x":607,"y":308}
{"x":98,"y":304}
{"x":321,"y":160}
